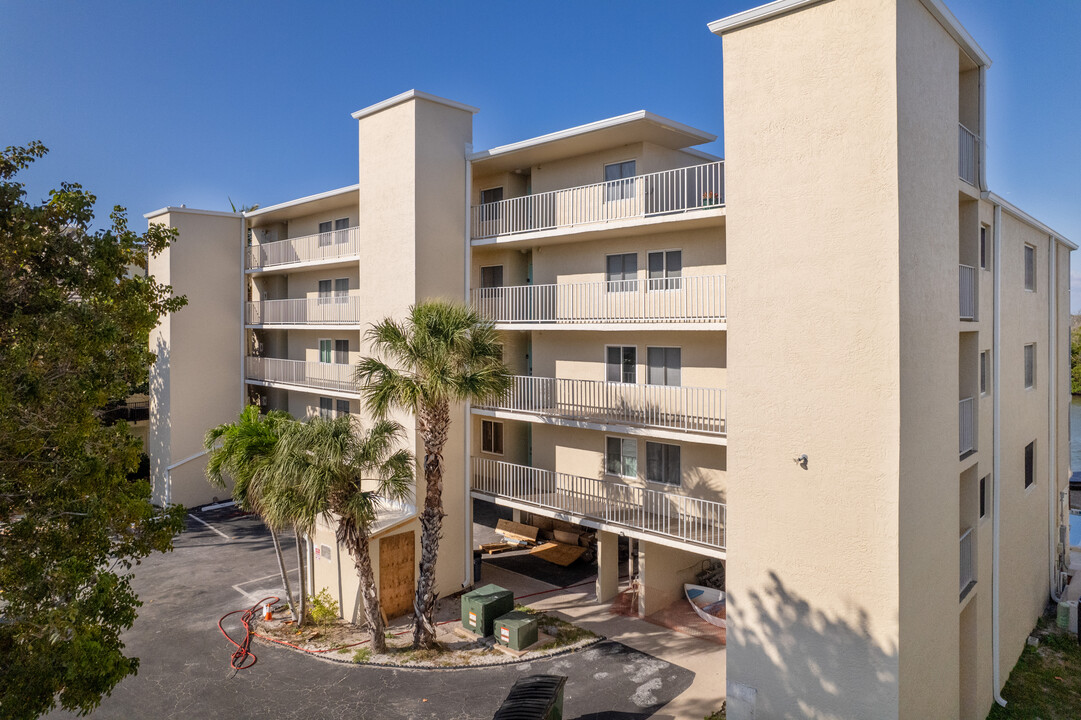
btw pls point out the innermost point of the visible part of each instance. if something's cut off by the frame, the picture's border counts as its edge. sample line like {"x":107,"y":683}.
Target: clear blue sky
{"x":151,"y":104}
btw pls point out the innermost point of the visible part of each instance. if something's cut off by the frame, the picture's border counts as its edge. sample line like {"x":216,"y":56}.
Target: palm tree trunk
{"x":434,"y":422}
{"x":357,"y":541}
{"x":285,"y":575}
{"x":303,"y":573}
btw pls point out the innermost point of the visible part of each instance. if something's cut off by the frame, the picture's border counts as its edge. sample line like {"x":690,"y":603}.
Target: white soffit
{"x":305,"y":205}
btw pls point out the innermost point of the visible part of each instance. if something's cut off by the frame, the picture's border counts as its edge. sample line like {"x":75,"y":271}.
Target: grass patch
{"x":563,"y":632}
{"x":1046,"y":681}
{"x":362,"y":655}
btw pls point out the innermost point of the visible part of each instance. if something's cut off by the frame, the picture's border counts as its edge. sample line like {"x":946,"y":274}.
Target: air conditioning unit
{"x":482,"y":606}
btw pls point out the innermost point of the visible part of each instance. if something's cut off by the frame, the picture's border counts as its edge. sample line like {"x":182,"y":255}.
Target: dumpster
{"x":517,"y":630}
{"x":482,"y":606}
{"x":536,"y":697}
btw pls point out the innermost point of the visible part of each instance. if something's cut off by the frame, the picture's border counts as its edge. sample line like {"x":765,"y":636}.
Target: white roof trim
{"x":1026,"y":218}
{"x":702,"y":154}
{"x":593,"y":127}
{"x":780,"y":7}
{"x":301,"y":201}
{"x":412,"y":95}
{"x":192,"y":211}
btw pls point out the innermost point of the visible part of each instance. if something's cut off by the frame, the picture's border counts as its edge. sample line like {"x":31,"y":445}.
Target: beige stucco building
{"x":874,"y":441}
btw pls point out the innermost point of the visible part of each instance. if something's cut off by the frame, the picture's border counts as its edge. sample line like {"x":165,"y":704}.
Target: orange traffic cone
{"x":267,"y":615}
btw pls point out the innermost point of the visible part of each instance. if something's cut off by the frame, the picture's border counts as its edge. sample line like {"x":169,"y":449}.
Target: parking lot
{"x":224,"y":559}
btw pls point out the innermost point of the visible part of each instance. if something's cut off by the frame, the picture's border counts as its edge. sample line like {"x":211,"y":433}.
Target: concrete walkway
{"x":577,"y":604}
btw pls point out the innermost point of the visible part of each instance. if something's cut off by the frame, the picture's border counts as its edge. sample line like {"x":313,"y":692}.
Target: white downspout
{"x":981,"y":150}
{"x":243,"y":311}
{"x":1052,"y":414}
{"x":468,"y":514}
{"x":996,"y":363}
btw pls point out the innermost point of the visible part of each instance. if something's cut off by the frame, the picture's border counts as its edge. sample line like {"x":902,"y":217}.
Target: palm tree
{"x":243,"y":450}
{"x":327,"y":468}
{"x":441,"y":353}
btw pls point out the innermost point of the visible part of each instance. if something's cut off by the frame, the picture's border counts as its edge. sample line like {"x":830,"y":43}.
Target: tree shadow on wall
{"x":825,"y":665}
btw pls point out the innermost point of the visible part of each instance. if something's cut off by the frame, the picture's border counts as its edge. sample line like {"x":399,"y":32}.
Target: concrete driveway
{"x":185,"y":673}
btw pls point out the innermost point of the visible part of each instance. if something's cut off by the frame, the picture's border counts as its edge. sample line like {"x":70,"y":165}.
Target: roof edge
{"x":1026,"y":218}
{"x":191,"y":211}
{"x":412,"y":95}
{"x":306,"y":199}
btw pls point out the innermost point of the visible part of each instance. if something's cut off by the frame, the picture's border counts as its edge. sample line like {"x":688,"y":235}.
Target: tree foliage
{"x":1075,"y":355}
{"x":74,"y":329}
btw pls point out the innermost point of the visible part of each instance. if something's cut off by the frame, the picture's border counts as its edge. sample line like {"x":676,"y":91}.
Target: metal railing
{"x":661,"y":406}
{"x":660,"y":193}
{"x":324,"y":376}
{"x":669,"y":514}
{"x":968,"y":154}
{"x":966,"y":280}
{"x":323,"y":310}
{"x":666,"y":300}
{"x":966,"y":429}
{"x":968,"y":559}
{"x":308,"y":248}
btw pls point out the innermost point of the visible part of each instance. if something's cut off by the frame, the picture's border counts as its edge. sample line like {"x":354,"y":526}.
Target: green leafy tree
{"x":1075,"y":359}
{"x":244,"y":450}
{"x":74,"y":338}
{"x":441,"y":353}
{"x":331,"y":469}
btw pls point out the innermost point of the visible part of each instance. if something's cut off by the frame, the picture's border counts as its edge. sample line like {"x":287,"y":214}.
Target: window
{"x":326,"y":407}
{"x":985,"y":252}
{"x":491,"y":437}
{"x":662,"y":463}
{"x":1030,"y":365}
{"x":621,"y":271}
{"x":325,"y":291}
{"x":984,"y":482}
{"x":491,"y":276}
{"x":491,"y":195}
{"x":324,"y":233}
{"x":341,"y":224}
{"x":341,"y":407}
{"x":620,"y":180}
{"x":1030,"y":267}
{"x":985,"y":371}
{"x":1030,"y":464}
{"x":665,"y":268}
{"x":326,"y":350}
{"x":341,"y":290}
{"x":664,"y":365}
{"x":621,"y":457}
{"x":622,"y":364}
{"x":341,"y":352}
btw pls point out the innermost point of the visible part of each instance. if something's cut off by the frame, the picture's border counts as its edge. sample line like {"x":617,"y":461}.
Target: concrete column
{"x":662,"y":570}
{"x":607,"y":565}
{"x":516,"y":515}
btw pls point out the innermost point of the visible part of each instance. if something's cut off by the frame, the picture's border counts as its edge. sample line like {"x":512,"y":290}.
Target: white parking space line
{"x":204,"y":522}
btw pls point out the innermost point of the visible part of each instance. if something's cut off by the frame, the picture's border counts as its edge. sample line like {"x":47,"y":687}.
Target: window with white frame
{"x":662,"y":463}
{"x":341,"y":352}
{"x":325,"y":238}
{"x":341,"y":290}
{"x":985,"y":250}
{"x":341,"y":408}
{"x":326,"y":407}
{"x":341,"y":224}
{"x":491,"y":437}
{"x":325,"y":291}
{"x":665,"y":269}
{"x":1030,"y":267}
{"x":621,"y":272}
{"x":621,"y":364}
{"x":985,"y":372}
{"x":619,"y":179}
{"x":1030,"y":365}
{"x":621,"y":457}
{"x":326,"y":350}
{"x":664,"y":365}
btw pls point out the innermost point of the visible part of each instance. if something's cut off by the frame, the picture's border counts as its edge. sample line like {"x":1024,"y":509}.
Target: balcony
{"x":966,"y":429}
{"x":334,"y":378}
{"x":968,"y":155}
{"x":968,"y":561}
{"x":602,"y":504}
{"x":966,"y":278}
{"x":682,"y":409}
{"x":320,"y":248}
{"x":695,"y":301}
{"x":314,"y":311}
{"x":684,"y":190}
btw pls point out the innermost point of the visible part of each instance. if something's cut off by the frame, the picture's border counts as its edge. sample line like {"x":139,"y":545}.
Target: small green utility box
{"x":482,"y":606}
{"x":517,"y":630}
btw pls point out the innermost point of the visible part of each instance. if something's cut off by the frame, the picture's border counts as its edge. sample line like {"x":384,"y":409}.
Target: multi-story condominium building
{"x":874,"y":440}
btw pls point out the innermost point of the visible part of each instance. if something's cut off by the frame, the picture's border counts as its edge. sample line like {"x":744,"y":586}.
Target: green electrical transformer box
{"x":482,"y":606}
{"x":516,"y":630}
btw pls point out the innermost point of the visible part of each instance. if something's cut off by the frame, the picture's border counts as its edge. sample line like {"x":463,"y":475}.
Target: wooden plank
{"x":567,"y":538}
{"x":397,"y":574}
{"x":496,"y":548}
{"x":558,"y":553}
{"x":516,"y":531}
{"x":542,"y":640}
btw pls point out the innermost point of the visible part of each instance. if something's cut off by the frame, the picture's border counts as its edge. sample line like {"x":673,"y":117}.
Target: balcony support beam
{"x":607,"y":566}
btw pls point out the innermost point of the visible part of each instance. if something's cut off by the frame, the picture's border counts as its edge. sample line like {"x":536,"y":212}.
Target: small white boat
{"x":707,"y":602}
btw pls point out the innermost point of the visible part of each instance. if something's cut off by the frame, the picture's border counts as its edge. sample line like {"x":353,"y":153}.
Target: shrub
{"x":322,"y":608}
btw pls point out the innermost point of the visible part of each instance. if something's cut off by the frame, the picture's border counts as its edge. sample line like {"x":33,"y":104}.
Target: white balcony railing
{"x":331,"y":245}
{"x":671,"y":191}
{"x":652,"y":511}
{"x":665,"y":300}
{"x":966,"y":279}
{"x":968,"y":154}
{"x":660,"y":406}
{"x":966,"y":429}
{"x":968,"y":560}
{"x":315,"y":375}
{"x":332,"y":310}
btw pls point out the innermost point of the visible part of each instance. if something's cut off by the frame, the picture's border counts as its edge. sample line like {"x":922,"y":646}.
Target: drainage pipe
{"x":467,"y":509}
{"x":1052,"y":415}
{"x":996,"y":461}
